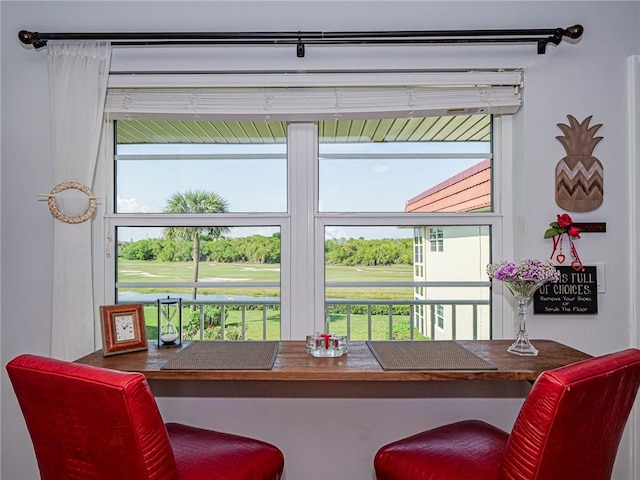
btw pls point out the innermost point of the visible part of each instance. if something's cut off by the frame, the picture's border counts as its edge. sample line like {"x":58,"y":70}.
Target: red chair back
{"x":88,"y":423}
{"x":572,"y":421}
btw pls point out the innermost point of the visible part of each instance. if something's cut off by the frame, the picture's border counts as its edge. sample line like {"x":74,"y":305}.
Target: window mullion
{"x":104,"y":257}
{"x":502,"y":230}
{"x":303,"y":151}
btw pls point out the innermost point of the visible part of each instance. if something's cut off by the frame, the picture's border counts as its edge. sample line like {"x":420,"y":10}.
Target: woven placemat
{"x":426,"y":355}
{"x":225,"y":355}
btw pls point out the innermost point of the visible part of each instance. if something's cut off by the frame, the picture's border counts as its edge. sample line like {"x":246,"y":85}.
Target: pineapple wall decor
{"x":579,"y":175}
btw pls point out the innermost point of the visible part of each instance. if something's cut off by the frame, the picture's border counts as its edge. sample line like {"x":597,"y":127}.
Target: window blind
{"x":454,"y":95}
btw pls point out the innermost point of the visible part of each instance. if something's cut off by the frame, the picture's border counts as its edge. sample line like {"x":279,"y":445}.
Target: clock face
{"x":125,"y":331}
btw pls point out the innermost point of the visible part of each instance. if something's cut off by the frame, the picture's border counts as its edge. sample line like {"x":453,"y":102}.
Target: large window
{"x":275,"y":229}
{"x":176,"y":187}
{"x":378,"y":278}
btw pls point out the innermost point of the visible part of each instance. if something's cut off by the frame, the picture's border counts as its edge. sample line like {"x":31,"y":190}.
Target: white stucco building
{"x":453,"y":253}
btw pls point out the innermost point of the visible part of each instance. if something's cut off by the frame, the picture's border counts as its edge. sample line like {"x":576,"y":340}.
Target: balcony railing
{"x":417,"y":326}
{"x":417,"y":319}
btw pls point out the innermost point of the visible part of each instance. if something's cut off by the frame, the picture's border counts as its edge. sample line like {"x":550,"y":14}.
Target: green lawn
{"x":154,"y":271}
{"x":150,"y":271}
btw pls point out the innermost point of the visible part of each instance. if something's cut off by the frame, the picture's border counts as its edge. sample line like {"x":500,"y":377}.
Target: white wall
{"x":588,"y":78}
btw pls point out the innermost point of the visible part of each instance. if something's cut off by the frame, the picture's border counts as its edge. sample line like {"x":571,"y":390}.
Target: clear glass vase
{"x":523,"y":291}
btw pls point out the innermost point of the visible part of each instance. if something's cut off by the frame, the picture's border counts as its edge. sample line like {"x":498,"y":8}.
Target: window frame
{"x":499,"y":222}
{"x":436,"y":240}
{"x":439,"y":313}
{"x":299,"y":289}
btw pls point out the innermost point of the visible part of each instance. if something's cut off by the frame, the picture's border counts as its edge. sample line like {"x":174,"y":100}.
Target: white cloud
{"x":130,"y":205}
{"x":380,"y":168}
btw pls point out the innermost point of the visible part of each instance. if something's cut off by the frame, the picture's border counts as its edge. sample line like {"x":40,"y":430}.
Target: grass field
{"x":153,"y":271}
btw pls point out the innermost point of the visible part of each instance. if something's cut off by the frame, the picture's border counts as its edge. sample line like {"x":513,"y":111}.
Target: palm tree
{"x":195,"y":201}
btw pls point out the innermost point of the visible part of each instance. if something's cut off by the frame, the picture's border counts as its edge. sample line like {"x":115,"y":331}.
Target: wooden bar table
{"x":356,"y":374}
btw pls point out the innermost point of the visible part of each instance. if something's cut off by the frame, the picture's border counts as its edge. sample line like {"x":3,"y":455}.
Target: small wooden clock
{"x":123,"y":329}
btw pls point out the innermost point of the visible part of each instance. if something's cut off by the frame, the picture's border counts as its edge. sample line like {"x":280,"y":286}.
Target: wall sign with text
{"x":576,"y":293}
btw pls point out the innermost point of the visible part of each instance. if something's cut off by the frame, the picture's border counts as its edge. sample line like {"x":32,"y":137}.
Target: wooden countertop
{"x":294,"y":364}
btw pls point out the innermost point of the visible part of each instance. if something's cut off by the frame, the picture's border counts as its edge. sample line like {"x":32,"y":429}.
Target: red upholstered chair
{"x":89,"y":423}
{"x":569,"y":427}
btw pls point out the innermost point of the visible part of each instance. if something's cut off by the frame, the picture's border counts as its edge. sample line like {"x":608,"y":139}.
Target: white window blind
{"x":440,"y":95}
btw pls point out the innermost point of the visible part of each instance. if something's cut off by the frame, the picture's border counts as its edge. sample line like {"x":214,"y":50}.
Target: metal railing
{"x":413,"y":320}
{"x":400,"y":316}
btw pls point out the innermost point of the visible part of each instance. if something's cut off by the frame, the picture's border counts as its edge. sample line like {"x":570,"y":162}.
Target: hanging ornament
{"x":558,"y":229}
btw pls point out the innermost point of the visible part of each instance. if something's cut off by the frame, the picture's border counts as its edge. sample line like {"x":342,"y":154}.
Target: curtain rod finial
{"x":27,"y":37}
{"x":31,"y":38}
{"x":574,"y":32}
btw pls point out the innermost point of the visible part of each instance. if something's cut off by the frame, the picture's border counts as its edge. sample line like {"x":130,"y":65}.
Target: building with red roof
{"x":468,"y":191}
{"x":444,"y":253}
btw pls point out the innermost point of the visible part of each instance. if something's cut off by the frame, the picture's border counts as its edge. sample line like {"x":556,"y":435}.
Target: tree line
{"x":261,"y":249}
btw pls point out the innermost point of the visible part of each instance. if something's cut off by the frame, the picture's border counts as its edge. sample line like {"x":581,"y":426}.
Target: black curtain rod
{"x":541,"y":36}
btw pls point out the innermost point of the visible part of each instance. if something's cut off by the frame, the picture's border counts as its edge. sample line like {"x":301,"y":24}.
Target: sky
{"x":364,"y":177}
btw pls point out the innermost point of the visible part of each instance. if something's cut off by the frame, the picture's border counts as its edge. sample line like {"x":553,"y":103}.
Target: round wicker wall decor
{"x":55,"y":211}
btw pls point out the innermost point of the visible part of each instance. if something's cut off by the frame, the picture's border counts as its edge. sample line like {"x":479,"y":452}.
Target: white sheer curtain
{"x":78,"y":75}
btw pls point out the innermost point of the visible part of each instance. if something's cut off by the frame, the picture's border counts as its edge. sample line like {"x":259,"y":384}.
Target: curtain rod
{"x":541,"y":36}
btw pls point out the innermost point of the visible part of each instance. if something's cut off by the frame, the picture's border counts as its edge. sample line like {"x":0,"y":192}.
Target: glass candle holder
{"x":326,"y":345}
